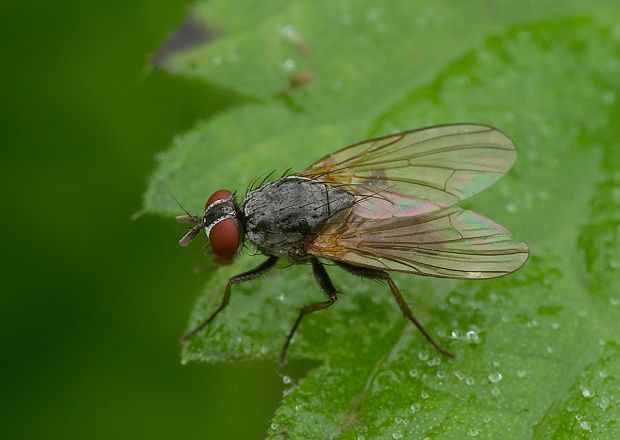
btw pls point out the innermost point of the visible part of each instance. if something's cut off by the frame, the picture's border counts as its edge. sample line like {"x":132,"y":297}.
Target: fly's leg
{"x":377,"y":274}
{"x":327,"y":287}
{"x":245,"y":276}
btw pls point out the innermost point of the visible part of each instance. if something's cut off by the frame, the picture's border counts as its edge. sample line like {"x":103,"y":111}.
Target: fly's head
{"x":222,"y":224}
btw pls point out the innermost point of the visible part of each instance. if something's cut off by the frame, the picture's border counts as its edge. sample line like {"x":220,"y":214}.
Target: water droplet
{"x":434,"y":361}
{"x":373,"y":14}
{"x":441,"y":374}
{"x":585,"y":425}
{"x":423,"y":355}
{"x":415,"y":407}
{"x":274,"y":426}
{"x":459,"y":375}
{"x":604,"y":403}
{"x":550,"y":350}
{"x":495,"y":391}
{"x":281,"y":297}
{"x":414,"y":373}
{"x":473,"y":432}
{"x":286,"y":379}
{"x":555,"y":325}
{"x":487,"y":419}
{"x":469,"y":380}
{"x":289,"y":32}
{"x":288,"y":65}
{"x":456,"y":334}
{"x":532,"y":323}
{"x":472,"y":336}
{"x":587,"y":393}
{"x":297,"y":407}
{"x":521,"y":373}
{"x":397,"y":435}
{"x":609,"y":97}
{"x":424,"y":395}
{"x":398,"y":420}
{"x":454,"y":299}
{"x":569,"y":408}
{"x":495,"y":377}
{"x":578,"y":417}
{"x":495,"y":364}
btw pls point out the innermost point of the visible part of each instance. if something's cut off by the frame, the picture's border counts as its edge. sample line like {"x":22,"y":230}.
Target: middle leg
{"x":327,"y":287}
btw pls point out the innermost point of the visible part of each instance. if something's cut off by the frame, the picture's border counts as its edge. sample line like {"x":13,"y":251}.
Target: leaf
{"x":538,"y":352}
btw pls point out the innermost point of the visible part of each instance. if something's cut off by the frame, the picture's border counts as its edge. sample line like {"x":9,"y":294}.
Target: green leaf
{"x":538,"y":352}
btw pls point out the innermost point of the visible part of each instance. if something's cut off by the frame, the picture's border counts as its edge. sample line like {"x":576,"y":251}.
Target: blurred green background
{"x":93,"y":302}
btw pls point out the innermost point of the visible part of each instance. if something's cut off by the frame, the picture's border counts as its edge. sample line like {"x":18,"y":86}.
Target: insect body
{"x":385,"y":204}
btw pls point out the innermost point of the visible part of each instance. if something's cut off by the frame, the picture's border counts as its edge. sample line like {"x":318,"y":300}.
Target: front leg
{"x":245,"y":276}
{"x":327,"y":287}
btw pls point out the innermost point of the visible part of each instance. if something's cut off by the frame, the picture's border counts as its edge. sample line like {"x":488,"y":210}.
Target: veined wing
{"x":419,"y":171}
{"x":451,"y":243}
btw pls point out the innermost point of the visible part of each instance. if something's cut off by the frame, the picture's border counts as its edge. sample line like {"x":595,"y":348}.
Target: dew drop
{"x":604,"y":403}
{"x":414,"y":373}
{"x":585,"y":425}
{"x":288,"y":65}
{"x":423,"y":355}
{"x":424,"y":395}
{"x":454,"y":299}
{"x":456,"y":334}
{"x":397,"y":435}
{"x":473,"y":432}
{"x":415,"y":407}
{"x":297,"y":407}
{"x":469,"y":380}
{"x":434,"y":361}
{"x":472,"y":336}
{"x":495,"y":377}
{"x":495,"y":364}
{"x":441,"y":374}
{"x":286,"y":379}
{"x":511,"y":207}
{"x":289,"y":32}
{"x":459,"y":375}
{"x":274,"y":426}
{"x":521,"y":373}
{"x":487,"y":419}
{"x":587,"y":393}
{"x":495,"y":391}
{"x":398,"y":420}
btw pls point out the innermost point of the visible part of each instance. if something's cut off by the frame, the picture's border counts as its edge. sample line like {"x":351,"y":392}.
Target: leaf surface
{"x":538,"y":352}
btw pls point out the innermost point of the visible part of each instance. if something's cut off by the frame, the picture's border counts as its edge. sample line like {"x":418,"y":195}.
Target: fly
{"x":383,"y":205}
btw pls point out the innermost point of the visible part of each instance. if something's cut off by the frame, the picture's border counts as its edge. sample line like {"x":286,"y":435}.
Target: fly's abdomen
{"x":281,"y":214}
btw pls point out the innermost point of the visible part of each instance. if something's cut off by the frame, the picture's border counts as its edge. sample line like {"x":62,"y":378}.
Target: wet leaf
{"x":538,"y":351}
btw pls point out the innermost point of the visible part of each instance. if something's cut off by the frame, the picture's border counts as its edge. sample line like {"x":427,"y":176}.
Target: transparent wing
{"x":419,"y":171}
{"x":451,"y":243}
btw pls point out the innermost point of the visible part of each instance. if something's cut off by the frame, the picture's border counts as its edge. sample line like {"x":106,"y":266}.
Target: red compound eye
{"x":225,"y":238}
{"x":218,"y":195}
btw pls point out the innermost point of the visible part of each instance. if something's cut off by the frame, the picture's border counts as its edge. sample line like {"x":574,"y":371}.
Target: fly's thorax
{"x":281,"y":215}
